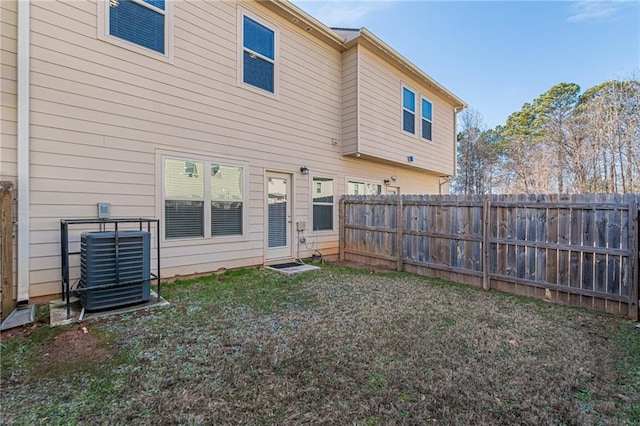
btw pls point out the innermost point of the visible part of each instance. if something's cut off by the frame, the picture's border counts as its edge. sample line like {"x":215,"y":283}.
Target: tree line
{"x":564,"y":141}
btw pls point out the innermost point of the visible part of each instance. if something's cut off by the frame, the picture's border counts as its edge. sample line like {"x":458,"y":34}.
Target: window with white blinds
{"x":227,"y":191}
{"x":323,"y":204}
{"x":143,"y":23}
{"x":202,"y":199}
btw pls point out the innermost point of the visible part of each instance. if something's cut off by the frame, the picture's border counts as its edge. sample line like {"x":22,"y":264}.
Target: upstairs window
{"x":408,"y":111}
{"x":258,"y":55}
{"x":141,"y":22}
{"x":426,"y":122}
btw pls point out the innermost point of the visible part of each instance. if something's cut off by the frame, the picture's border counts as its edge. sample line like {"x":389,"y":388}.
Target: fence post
{"x":6,"y":223}
{"x":399,"y":233}
{"x":341,"y":236}
{"x":633,"y":261}
{"x":486,"y":252}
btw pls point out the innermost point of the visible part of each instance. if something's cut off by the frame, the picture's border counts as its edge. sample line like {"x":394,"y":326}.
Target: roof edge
{"x":333,"y":37}
{"x":307,"y":22}
{"x":391,"y":53}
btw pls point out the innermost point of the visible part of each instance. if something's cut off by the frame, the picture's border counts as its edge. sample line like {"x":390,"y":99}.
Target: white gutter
{"x":23,"y":150}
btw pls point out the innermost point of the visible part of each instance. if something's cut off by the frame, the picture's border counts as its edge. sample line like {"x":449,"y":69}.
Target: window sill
{"x":325,"y":232}
{"x":412,"y":135}
{"x":259,"y":91}
{"x":199,"y":241}
{"x":166,"y":57}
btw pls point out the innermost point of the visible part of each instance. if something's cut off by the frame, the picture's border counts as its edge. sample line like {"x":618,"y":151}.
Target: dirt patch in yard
{"x":77,"y":346}
{"x":23,"y":331}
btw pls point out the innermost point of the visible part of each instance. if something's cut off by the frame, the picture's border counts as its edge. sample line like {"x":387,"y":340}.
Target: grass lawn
{"x":340,"y":346}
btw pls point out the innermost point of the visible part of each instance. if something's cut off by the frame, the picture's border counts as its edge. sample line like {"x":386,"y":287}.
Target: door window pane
{"x":277,"y":214}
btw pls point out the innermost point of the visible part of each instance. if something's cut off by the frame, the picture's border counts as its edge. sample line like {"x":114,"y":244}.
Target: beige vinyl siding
{"x":380,"y":119}
{"x":8,"y":85}
{"x":103,"y":117}
{"x":350,"y":101}
{"x":100,"y":113}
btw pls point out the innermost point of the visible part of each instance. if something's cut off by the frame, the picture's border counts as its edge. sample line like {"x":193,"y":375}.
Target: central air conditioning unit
{"x":115,"y":269}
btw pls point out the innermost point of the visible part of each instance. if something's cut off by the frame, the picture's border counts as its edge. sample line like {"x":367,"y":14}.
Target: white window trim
{"x":208,"y":238}
{"x":240,"y":56}
{"x":333,"y":210}
{"x":403,"y":109}
{"x":103,"y":31}
{"x":421,"y":118}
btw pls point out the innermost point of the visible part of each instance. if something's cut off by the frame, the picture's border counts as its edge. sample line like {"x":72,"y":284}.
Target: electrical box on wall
{"x":104,"y":210}
{"x":301,"y":226}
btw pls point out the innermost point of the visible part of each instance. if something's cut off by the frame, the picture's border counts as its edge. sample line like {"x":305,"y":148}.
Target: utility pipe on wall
{"x":23,"y":149}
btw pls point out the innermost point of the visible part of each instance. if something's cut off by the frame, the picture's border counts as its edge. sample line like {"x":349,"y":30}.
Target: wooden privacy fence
{"x":580,"y":250}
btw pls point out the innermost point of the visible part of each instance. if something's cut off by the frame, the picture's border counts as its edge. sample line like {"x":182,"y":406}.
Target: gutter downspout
{"x":23,"y":121}
{"x":456,"y":110}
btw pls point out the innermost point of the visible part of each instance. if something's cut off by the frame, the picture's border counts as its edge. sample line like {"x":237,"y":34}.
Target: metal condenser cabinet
{"x":115,"y":268}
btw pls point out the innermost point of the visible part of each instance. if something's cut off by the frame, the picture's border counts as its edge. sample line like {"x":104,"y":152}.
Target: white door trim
{"x":281,"y":251}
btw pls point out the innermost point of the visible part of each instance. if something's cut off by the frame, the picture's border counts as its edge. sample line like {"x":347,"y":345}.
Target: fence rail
{"x":580,"y":250}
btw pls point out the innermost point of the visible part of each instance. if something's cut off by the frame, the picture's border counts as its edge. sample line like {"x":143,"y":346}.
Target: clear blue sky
{"x":497,"y":55}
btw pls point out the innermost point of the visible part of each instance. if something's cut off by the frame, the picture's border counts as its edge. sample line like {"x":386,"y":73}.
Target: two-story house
{"x":231,"y":122}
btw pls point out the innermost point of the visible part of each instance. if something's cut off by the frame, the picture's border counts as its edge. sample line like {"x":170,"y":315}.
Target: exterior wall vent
{"x":115,"y":268}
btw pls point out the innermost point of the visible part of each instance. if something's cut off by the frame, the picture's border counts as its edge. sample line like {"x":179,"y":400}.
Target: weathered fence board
{"x":7,"y":303}
{"x":580,"y":250}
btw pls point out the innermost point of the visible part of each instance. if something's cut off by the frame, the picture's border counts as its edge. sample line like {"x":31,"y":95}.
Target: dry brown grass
{"x":343,"y":346}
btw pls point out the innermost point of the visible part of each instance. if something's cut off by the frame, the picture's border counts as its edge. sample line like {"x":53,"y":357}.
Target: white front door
{"x":278,"y":216}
